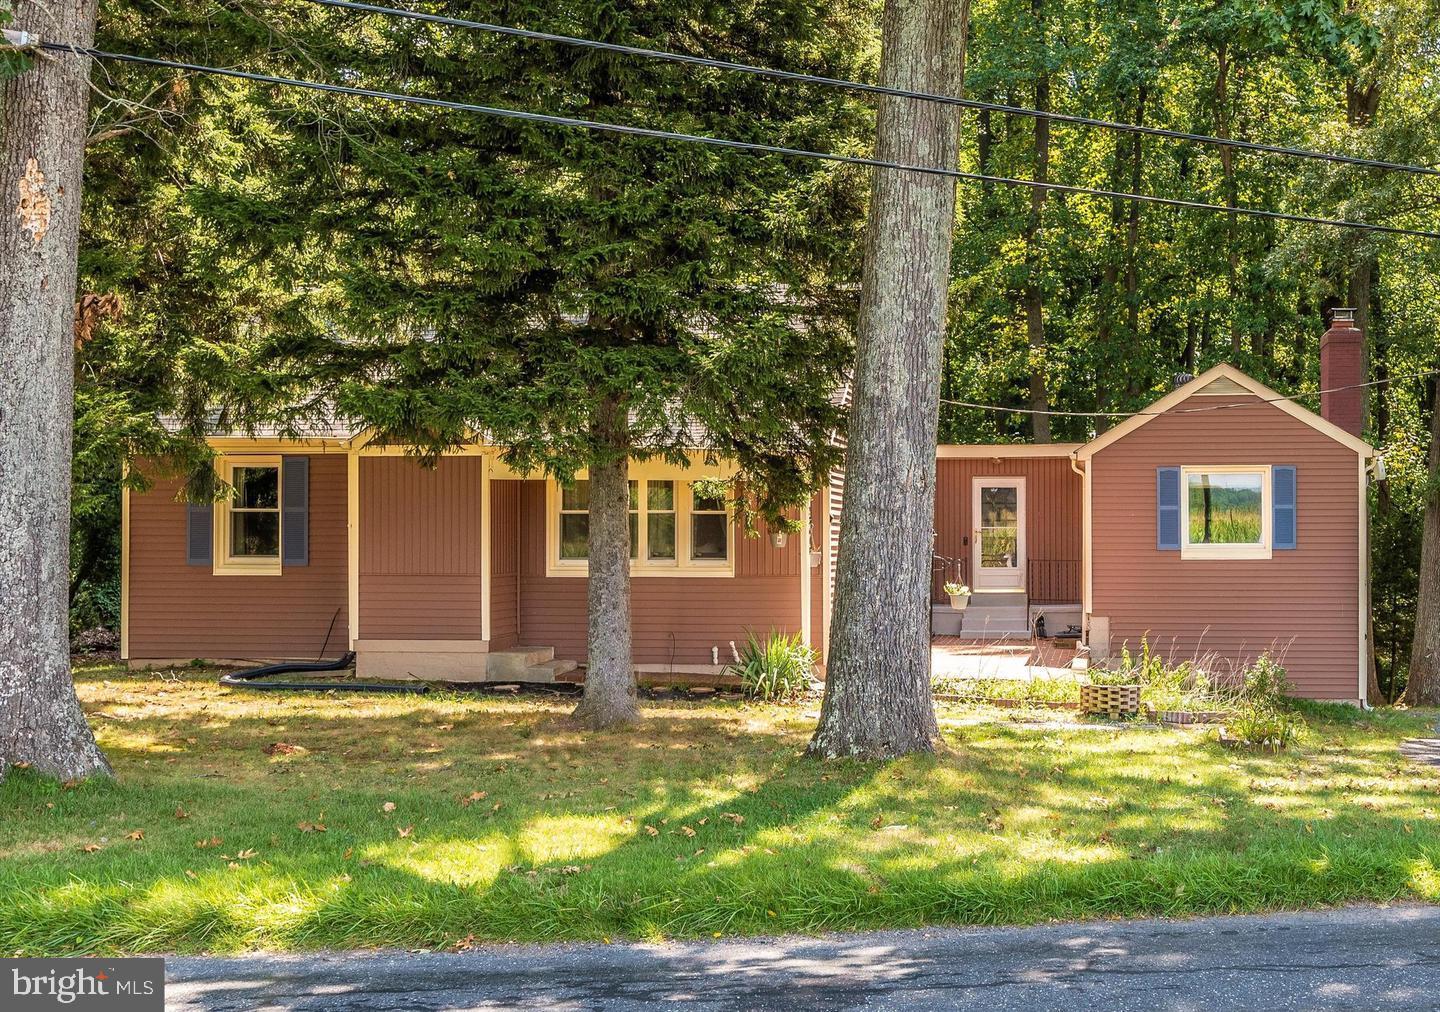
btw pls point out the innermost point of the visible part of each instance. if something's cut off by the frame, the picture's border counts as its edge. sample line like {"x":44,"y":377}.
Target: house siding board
{"x":177,"y":610}
{"x":504,"y":564}
{"x":1054,"y":521}
{"x":421,"y":568}
{"x":674,"y":619}
{"x":1303,"y":603}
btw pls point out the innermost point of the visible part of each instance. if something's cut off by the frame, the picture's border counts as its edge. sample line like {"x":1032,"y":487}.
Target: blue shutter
{"x":1167,"y":509}
{"x":1283,"y":522}
{"x":295,"y":511}
{"x":199,"y":533}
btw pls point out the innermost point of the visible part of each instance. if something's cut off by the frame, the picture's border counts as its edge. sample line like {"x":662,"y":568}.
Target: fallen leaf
{"x":282,"y":748}
{"x":89,"y":848}
{"x":135,"y":834}
{"x":180,"y":813}
{"x":246,"y":855}
{"x":404,"y":831}
{"x":734,"y":817}
{"x":687,"y":831}
{"x":389,"y":806}
{"x":652,"y":830}
{"x":190,"y":874}
{"x":311,"y":827}
{"x":214,"y":841}
{"x":877,"y":822}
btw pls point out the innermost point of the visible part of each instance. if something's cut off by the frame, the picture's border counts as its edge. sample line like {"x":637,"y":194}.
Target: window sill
{"x":723,"y":569}
{"x":233,"y":568}
{"x":1190,"y":552}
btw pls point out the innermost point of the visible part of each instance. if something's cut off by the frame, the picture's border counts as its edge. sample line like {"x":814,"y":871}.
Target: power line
{"x":723,"y":142}
{"x":874,"y":89}
{"x":1002,"y":409}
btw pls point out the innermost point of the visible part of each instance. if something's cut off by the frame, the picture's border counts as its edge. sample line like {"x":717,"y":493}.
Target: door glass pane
{"x":999,"y":527}
{"x":255,"y":535}
{"x":1224,"y":508}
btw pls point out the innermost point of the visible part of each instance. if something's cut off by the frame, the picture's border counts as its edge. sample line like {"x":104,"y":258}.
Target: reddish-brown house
{"x":1222,"y":522}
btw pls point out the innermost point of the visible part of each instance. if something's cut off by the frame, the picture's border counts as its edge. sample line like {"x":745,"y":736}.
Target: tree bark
{"x":610,"y":697}
{"x":1034,"y":292}
{"x":1423,"y":686}
{"x":877,"y":690}
{"x":1227,"y":169}
{"x":42,"y":138}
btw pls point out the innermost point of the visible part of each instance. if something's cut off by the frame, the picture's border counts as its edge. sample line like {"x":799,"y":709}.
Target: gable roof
{"x":1227,"y":378}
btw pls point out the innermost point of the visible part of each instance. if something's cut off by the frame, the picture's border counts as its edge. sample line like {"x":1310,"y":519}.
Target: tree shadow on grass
{"x":1004,"y":827}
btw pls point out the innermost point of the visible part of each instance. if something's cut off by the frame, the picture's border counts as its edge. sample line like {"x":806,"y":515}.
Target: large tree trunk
{"x":610,"y":697}
{"x":1034,"y":292}
{"x":877,"y":689}
{"x":1423,"y":687}
{"x":42,"y":136}
{"x":1227,"y":170}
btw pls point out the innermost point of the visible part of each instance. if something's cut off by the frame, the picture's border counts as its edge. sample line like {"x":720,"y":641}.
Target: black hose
{"x":247,"y":679}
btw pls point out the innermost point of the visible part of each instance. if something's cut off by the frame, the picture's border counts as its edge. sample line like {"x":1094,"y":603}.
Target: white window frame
{"x":640,"y":564}
{"x":226,"y":564}
{"x":1263,"y":550}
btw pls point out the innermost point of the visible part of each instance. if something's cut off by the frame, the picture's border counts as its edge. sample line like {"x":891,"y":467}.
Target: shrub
{"x":775,"y":669}
{"x":1266,"y":681}
{"x":1112,"y":676}
{"x":1183,"y":686}
{"x":1261,"y":725}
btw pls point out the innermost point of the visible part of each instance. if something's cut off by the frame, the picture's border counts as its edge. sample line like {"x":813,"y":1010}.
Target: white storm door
{"x":997,"y":509}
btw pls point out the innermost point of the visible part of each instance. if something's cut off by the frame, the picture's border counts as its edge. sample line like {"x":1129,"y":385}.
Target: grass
{"x":447,"y":818}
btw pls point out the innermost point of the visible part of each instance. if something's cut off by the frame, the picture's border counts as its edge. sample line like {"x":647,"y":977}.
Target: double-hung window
{"x":674,"y":529}
{"x":247,"y":528}
{"x":1226,"y":512}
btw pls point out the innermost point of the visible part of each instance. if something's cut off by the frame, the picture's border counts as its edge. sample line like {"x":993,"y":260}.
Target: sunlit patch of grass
{"x":417,"y":821}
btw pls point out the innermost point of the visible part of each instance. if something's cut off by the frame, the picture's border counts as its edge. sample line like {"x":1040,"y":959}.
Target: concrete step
{"x":511,"y":665}
{"x":997,"y":599}
{"x":549,"y":671}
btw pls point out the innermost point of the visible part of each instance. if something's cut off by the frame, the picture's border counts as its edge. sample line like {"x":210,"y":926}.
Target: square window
{"x":256,"y":488}
{"x":710,"y":537}
{"x":1225,"y":507}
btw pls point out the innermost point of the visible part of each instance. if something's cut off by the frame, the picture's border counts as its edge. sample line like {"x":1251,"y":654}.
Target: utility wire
{"x":875,"y":89}
{"x":1185,"y":411}
{"x":722,"y":142}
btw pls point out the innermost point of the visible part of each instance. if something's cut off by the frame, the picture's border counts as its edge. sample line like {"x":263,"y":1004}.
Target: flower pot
{"x":1116,"y":700}
{"x":959,"y":601}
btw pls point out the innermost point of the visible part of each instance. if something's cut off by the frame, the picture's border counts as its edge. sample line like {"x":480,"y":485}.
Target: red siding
{"x":1303,"y":603}
{"x":505,"y":564}
{"x":674,"y":619}
{"x":182,"y":611}
{"x":420,"y":564}
{"x":1054,"y":521}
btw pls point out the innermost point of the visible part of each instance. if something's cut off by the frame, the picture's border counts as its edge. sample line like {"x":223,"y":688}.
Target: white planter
{"x":959,"y":601}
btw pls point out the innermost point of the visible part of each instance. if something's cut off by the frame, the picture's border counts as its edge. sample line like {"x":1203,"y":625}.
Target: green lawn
{"x":483,"y":817}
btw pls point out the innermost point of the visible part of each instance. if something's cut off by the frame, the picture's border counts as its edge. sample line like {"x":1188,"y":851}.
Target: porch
{"x":958,"y":657}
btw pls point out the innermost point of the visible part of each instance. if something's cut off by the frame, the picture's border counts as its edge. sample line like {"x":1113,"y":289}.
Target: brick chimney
{"x":1342,"y":364}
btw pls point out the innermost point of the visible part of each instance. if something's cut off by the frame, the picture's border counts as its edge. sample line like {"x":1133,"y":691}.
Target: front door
{"x":998,"y":509}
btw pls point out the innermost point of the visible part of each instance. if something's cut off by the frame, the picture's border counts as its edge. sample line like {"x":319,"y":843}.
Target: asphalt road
{"x":1356,"y":958}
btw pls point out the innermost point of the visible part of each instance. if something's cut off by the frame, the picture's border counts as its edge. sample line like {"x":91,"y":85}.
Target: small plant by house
{"x":1264,"y":718}
{"x":777,"y":668}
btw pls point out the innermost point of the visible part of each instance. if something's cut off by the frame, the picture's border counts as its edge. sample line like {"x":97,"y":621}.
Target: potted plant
{"x":1116,"y":693}
{"x":959,"y":595}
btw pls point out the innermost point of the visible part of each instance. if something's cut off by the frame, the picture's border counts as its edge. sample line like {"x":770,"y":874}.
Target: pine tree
{"x":582,"y":299}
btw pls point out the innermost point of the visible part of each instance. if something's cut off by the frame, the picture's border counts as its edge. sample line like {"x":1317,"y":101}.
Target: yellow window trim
{"x":1263,"y":550}
{"x":683,"y":566}
{"x":224,"y":563}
